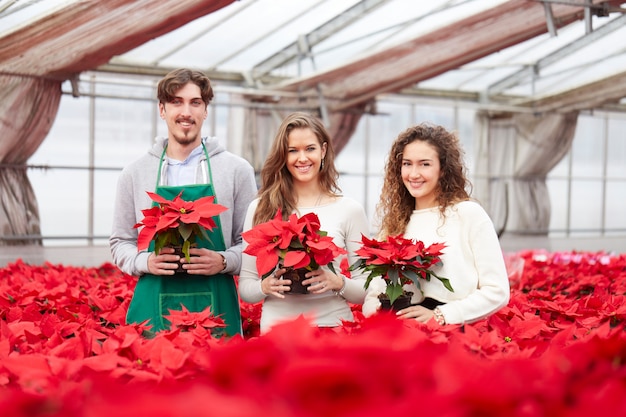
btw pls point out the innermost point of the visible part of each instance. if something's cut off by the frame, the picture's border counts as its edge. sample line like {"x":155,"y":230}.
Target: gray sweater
{"x":235,"y":188}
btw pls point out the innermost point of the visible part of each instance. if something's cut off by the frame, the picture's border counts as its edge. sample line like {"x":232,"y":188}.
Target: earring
{"x":322,"y":167}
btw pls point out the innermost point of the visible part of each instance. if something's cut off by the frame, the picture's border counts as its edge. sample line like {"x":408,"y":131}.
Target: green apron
{"x":155,"y":295}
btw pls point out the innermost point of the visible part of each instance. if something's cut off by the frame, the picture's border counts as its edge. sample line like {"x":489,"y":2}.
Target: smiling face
{"x":420,"y":173}
{"x":184,"y":115}
{"x":304,"y":155}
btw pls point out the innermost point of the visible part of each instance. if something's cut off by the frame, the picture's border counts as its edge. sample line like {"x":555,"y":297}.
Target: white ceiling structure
{"x":544,"y":55}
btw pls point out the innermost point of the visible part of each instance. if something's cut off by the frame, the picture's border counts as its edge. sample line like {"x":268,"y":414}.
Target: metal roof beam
{"x":555,"y":56}
{"x":175,"y":48}
{"x":434,"y":53}
{"x":260,"y":38}
{"x":593,"y":95}
{"x":292,"y":51}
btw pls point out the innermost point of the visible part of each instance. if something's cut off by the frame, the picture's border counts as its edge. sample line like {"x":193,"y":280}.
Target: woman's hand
{"x":419,"y":313}
{"x":321,"y":280}
{"x":275,"y":285}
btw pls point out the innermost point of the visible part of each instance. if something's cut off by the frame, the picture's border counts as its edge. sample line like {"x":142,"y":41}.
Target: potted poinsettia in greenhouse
{"x":177,"y":223}
{"x":398,"y":261}
{"x":297,"y":244}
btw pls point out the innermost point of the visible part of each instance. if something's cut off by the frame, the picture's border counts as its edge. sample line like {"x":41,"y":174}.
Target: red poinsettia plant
{"x":399,"y":261}
{"x":202,"y":323}
{"x":296,"y":243}
{"x":177,"y":222}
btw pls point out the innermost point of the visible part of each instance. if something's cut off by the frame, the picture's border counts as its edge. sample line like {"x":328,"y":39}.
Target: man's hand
{"x":165,"y":263}
{"x":203,"y":262}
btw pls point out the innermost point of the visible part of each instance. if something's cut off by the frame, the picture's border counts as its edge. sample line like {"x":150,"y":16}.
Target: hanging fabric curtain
{"x":515,"y":155}
{"x":28,"y":108}
{"x":542,"y":141}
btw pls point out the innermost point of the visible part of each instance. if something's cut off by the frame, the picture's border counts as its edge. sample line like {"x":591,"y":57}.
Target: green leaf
{"x":160,"y":242}
{"x":200,"y":231}
{"x":394,"y":277}
{"x":393,"y":292}
{"x":185,"y":231}
{"x":296,"y":244}
{"x":445,"y":282}
{"x":360,"y":264}
{"x":368,"y":281}
{"x":414,"y":277}
{"x":186,"y":247}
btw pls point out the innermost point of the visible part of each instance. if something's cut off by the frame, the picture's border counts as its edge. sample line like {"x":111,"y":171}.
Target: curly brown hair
{"x":178,"y":78}
{"x":396,"y":203}
{"x":276,"y":182}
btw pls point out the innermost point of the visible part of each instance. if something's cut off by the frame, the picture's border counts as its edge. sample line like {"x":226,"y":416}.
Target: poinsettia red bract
{"x":399,"y":261}
{"x":176,"y":222}
{"x":295,"y":243}
{"x":557,"y":349}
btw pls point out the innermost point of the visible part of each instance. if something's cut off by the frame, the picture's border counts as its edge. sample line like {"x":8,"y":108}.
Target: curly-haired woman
{"x":425,"y":197}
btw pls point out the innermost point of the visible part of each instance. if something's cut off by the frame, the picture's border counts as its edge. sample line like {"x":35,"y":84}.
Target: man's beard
{"x":186,"y":138}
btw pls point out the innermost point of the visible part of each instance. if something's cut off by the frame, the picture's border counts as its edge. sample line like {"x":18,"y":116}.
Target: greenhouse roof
{"x":542,"y":55}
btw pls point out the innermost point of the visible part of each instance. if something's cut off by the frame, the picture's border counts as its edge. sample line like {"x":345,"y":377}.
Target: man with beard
{"x":184,"y":162}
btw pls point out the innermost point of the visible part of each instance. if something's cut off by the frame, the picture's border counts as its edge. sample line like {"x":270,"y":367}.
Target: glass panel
{"x":67,"y":142}
{"x":443,"y":116}
{"x":63,"y":200}
{"x":465,"y":130}
{"x":104,"y":199}
{"x":62,"y":193}
{"x":615,"y":207}
{"x":557,"y":188}
{"x":616,"y":153}
{"x":123,"y":131}
{"x":385,"y":128}
{"x":220,"y":130}
{"x":586,"y":202}
{"x":587,"y":149}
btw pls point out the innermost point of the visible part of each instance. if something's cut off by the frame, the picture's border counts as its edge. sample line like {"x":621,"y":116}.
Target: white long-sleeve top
{"x":344,"y":219}
{"x":472,"y":261}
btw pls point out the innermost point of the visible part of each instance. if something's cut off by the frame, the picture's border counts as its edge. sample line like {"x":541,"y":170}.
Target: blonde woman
{"x":299,"y":176}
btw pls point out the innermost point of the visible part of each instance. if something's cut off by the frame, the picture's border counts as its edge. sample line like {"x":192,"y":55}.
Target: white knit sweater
{"x":344,"y":219}
{"x":472,"y":261}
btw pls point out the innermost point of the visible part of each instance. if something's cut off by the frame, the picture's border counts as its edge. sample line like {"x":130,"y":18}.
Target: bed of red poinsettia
{"x":558,"y":349}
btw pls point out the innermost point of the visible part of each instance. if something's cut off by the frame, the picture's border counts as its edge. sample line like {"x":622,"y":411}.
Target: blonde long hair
{"x":396,"y":203}
{"x":276,"y":190}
